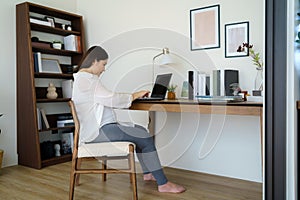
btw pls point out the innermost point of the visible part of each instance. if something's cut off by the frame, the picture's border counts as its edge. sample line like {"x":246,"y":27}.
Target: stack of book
{"x":199,"y":84}
{"x":37,"y":58}
{"x":72,"y":43}
{"x":39,"y":21}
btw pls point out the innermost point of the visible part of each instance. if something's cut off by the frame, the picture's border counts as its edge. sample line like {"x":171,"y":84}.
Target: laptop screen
{"x":160,"y":86}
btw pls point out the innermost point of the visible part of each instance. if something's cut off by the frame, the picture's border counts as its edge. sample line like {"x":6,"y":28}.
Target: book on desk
{"x":237,"y":98}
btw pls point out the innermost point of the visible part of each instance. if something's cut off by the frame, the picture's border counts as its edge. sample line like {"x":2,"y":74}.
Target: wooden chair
{"x":101,"y":151}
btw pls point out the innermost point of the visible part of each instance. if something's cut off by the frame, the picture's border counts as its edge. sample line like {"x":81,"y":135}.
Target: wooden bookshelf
{"x":29,"y":94}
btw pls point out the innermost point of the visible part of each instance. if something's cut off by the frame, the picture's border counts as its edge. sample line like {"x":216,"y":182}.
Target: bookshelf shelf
{"x":55,"y":51}
{"x":32,"y":86}
{"x":56,"y":160}
{"x":57,"y":128}
{"x":53,"y":100}
{"x":52,"y":75}
{"x":53,"y":30}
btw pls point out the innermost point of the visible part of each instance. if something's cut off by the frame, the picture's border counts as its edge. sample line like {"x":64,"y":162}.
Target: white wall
{"x":134,"y":31}
{"x":8,"y":137}
{"x":105,"y":22}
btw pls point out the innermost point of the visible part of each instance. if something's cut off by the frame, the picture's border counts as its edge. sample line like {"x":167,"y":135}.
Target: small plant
{"x":171,"y":88}
{"x":56,"y":42}
{"x":254,"y":55}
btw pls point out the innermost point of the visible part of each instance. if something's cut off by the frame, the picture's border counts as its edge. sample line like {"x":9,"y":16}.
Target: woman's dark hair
{"x":92,"y":54}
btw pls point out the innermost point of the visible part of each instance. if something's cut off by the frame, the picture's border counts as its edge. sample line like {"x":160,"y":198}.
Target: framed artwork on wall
{"x":235,"y":35}
{"x":205,"y":27}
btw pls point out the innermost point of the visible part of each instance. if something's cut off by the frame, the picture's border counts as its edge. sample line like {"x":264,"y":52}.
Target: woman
{"x":94,"y":105}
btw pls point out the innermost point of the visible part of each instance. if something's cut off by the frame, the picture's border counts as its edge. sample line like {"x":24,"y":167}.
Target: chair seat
{"x":104,"y":149}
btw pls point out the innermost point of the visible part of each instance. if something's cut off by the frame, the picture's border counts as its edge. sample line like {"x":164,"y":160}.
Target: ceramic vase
{"x":51,"y":91}
{"x":258,"y":84}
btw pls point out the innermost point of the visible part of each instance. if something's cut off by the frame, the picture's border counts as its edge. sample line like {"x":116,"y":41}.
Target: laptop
{"x":159,"y":89}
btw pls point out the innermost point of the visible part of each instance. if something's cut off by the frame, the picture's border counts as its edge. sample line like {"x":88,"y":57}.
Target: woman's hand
{"x":140,"y":94}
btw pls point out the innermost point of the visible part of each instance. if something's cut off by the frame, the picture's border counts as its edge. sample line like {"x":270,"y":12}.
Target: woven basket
{"x":1,"y":157}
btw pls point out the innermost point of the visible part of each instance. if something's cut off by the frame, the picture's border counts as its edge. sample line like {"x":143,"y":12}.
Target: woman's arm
{"x":116,"y":100}
{"x":140,"y":94}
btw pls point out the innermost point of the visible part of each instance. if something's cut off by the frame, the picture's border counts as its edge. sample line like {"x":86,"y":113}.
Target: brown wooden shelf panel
{"x":52,"y":12}
{"x":53,"y":75}
{"x":53,"y":30}
{"x":57,"y":128}
{"x":53,"y":100}
{"x":56,"y":160}
{"x":59,"y":52}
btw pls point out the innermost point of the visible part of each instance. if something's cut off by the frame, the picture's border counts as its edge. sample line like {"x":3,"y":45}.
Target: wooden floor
{"x":52,"y":182}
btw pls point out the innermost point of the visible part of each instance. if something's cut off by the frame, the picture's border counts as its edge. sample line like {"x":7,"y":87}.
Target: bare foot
{"x":149,"y":177}
{"x":171,"y":188}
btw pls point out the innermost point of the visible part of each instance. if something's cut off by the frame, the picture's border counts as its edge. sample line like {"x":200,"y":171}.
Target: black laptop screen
{"x":160,"y":87}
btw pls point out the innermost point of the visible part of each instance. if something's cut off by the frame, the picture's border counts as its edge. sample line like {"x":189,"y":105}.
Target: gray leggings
{"x":145,"y":147}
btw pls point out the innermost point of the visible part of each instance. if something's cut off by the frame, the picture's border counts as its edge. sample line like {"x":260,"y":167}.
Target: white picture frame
{"x":50,"y":66}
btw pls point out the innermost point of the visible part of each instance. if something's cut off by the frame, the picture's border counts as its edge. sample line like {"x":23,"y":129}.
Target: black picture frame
{"x":205,"y":27}
{"x":235,"y":35}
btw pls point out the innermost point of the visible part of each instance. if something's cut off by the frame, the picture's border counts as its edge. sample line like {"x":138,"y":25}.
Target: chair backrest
{"x":76,"y":123}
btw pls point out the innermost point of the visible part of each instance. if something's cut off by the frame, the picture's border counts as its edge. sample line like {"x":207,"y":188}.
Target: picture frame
{"x":205,"y":27}
{"x":51,"y":20}
{"x":235,"y":35}
{"x":50,"y":66}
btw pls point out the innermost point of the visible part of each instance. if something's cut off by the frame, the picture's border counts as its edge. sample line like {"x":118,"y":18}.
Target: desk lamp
{"x":166,"y":59}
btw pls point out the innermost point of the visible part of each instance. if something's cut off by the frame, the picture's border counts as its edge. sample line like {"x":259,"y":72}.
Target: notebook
{"x":159,"y":89}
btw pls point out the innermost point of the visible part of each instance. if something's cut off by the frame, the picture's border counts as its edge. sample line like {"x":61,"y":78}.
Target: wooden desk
{"x":203,"y":107}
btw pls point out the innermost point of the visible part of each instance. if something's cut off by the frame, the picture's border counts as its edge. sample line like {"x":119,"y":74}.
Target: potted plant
{"x":171,"y":92}
{"x":56,"y":44}
{"x":258,"y":63}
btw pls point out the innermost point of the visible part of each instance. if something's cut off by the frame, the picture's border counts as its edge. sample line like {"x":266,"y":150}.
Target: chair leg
{"x":133,"y":172}
{"x":78,"y":175}
{"x":72,"y":178}
{"x":104,"y":167}
{"x":72,"y":185}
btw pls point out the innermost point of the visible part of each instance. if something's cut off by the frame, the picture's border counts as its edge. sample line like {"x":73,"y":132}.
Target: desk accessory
{"x":165,"y":60}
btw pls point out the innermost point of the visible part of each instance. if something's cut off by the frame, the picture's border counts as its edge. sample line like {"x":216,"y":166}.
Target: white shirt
{"x":90,"y":98}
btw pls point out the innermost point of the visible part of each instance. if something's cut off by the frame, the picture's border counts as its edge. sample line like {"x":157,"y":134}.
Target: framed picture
{"x":235,"y":35}
{"x":51,"y":20}
{"x":205,"y":27}
{"x":50,"y":66}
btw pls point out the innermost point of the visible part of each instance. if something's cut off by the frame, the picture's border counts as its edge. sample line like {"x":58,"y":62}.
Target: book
{"x":197,"y":84}
{"x":191,"y":84}
{"x":78,"y":44}
{"x":70,"y":42}
{"x":237,"y":98}
{"x":201,"y":88}
{"x":44,"y":117}
{"x":39,"y":61}
{"x":223,"y":80}
{"x":39,"y":120}
{"x":35,"y":62}
{"x":39,"y":21}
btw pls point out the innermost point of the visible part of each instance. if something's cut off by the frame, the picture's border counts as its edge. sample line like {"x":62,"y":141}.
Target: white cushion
{"x":104,"y":149}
